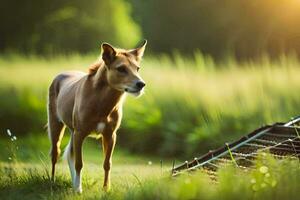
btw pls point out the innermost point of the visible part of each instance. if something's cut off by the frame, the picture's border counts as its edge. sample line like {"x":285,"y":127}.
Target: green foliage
{"x":221,"y":28}
{"x":50,"y":27}
{"x":238,"y":28}
{"x":197,"y":109}
{"x":190,"y":105}
{"x":21,"y":111}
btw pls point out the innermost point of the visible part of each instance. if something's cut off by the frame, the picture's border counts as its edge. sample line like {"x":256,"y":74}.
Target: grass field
{"x":24,"y":171}
{"x":26,"y":176}
{"x":191,"y":105}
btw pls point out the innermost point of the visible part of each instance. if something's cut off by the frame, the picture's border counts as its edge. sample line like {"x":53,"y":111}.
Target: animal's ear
{"x":108,"y":53}
{"x":139,"y":52}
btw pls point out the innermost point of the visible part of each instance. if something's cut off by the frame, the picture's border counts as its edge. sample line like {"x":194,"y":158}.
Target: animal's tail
{"x":68,"y":150}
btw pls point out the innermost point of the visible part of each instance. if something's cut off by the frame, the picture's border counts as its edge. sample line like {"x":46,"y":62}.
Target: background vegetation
{"x":52,"y":27}
{"x":245,"y":29}
{"x":190,"y":105}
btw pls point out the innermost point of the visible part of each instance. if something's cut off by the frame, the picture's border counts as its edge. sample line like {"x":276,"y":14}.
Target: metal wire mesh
{"x":279,"y":139}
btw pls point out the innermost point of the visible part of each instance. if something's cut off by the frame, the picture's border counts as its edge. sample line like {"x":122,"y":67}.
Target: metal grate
{"x":279,"y":139}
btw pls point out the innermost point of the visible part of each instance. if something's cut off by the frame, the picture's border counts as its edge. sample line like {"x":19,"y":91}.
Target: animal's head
{"x":123,"y":68}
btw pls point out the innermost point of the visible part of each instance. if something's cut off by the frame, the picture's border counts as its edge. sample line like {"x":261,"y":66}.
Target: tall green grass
{"x":191,"y":105}
{"x":268,"y":179}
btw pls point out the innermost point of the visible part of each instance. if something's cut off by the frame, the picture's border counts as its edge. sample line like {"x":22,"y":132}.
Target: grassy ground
{"x":26,"y":176}
{"x":25,"y":166}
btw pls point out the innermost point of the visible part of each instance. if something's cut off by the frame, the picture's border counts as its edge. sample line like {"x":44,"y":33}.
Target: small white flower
{"x":14,"y":137}
{"x":149,"y":162}
{"x":8,"y":132}
{"x":263,"y":169}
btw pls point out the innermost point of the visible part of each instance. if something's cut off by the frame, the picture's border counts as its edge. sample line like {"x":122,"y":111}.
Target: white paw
{"x":77,"y":184}
{"x":78,"y":190}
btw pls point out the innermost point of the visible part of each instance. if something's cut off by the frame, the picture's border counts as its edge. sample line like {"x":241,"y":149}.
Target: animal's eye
{"x":138,"y":69}
{"x":122,"y":69}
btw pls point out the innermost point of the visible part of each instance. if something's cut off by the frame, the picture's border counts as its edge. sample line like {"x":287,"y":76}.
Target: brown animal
{"x":91,"y":105}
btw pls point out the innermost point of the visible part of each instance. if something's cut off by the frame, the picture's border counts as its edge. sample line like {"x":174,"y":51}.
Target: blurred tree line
{"x":55,"y":26}
{"x":243,"y":28}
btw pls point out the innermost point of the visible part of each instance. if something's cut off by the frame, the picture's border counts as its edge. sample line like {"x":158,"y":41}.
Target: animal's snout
{"x":140,"y":84}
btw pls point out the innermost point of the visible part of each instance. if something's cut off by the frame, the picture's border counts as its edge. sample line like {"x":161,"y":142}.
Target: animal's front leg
{"x":108,"y":142}
{"x":77,"y":142}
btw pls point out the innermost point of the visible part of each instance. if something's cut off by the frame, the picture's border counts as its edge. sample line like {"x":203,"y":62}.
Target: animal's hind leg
{"x":69,"y":155}
{"x":56,"y":131}
{"x":78,"y":138}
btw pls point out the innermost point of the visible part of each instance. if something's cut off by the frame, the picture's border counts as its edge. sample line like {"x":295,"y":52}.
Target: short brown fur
{"x":92,"y":103}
